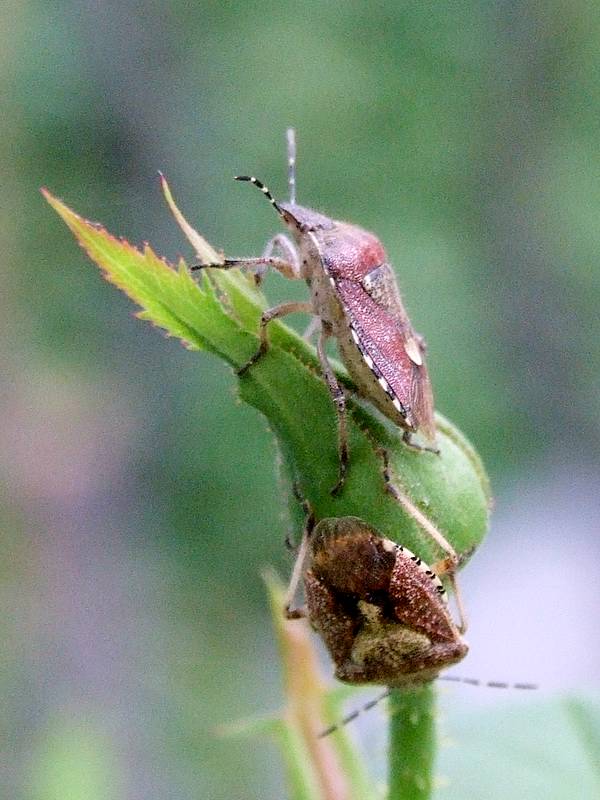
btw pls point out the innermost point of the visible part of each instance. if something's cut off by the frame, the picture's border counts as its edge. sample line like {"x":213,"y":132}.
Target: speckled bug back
{"x":380,"y":610}
{"x":354,"y":290}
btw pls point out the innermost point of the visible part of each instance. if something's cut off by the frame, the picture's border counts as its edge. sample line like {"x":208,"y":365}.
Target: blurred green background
{"x":140,"y":501}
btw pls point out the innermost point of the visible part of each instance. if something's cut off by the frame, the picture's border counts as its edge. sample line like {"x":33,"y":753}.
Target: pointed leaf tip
{"x":205,"y":253}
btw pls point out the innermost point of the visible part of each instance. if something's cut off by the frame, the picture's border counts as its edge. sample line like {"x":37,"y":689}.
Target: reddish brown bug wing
{"x":329,"y":616}
{"x":416,"y":596}
{"x":393,"y":351}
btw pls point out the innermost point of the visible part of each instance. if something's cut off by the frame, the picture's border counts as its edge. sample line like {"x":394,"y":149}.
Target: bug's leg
{"x":448,"y":567}
{"x":280,"y":242}
{"x":282,"y":246}
{"x":339,"y":399}
{"x":306,"y":506}
{"x":311,"y":328}
{"x":299,"y":564}
{"x":451,"y":562}
{"x":415,"y":446}
{"x":285,"y":247}
{"x":418,"y":516}
{"x":270,"y":314}
{"x":286,"y":268}
{"x":308,"y":515}
{"x":463,"y":622}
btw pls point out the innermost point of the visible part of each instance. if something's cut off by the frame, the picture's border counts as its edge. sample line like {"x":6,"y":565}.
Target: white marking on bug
{"x":388,"y":545}
{"x":413,"y":352}
{"x":367,"y":358}
{"x":423,"y":567}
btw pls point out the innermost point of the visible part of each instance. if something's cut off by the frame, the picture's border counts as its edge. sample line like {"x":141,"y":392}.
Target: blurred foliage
{"x":464,"y":135}
{"x":558,"y":762}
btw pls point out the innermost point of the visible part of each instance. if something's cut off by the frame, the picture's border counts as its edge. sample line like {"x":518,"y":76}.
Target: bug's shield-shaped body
{"x":380,"y":610}
{"x":354,"y":293}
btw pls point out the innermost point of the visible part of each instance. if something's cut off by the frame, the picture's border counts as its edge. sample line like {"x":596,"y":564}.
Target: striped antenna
{"x":291,"y":154}
{"x":487,"y":684}
{"x":263,"y":189}
{"x":354,"y":714}
{"x":453,"y":678}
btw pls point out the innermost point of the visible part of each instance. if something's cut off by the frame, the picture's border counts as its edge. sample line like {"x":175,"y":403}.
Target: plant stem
{"x":412,"y":743}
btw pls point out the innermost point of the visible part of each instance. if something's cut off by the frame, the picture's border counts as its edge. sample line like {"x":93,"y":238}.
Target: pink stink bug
{"x":355,"y":299}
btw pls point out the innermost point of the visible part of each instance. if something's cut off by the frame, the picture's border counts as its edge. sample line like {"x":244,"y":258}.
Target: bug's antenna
{"x":354,"y":714}
{"x":453,"y":678}
{"x":291,"y":154}
{"x":264,"y":189}
{"x":487,"y":684}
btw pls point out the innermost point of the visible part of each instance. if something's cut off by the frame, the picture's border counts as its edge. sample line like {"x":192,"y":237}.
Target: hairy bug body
{"x":380,"y":610}
{"x":355,"y":295}
{"x":355,"y":298}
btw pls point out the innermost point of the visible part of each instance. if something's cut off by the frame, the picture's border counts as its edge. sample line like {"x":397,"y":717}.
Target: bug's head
{"x":298,"y":219}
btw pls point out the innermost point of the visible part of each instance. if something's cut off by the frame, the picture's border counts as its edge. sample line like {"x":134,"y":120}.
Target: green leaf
{"x":169,"y":297}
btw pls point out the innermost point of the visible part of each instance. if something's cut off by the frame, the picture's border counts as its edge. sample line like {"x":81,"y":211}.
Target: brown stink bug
{"x":380,"y":610}
{"x":355,"y":299}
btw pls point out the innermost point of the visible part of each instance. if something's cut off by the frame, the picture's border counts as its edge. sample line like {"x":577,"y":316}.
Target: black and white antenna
{"x":291,"y":153}
{"x":452,"y":678}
